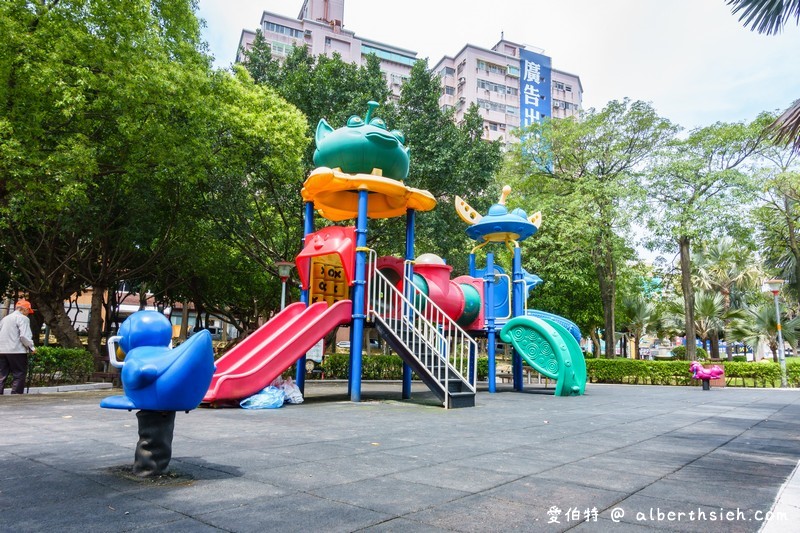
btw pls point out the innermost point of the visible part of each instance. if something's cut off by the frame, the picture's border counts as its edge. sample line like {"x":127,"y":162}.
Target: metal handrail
{"x":449,"y":346}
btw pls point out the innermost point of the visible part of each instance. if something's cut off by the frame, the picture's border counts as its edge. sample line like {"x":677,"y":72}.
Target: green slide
{"x":550,"y":349}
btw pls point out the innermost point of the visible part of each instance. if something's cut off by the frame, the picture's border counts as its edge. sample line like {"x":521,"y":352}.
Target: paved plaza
{"x":620,"y":458}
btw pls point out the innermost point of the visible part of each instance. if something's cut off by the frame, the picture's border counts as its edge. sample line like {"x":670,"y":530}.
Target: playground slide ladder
{"x":437,"y":349}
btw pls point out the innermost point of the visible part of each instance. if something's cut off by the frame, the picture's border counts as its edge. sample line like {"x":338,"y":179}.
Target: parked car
{"x":374,"y":344}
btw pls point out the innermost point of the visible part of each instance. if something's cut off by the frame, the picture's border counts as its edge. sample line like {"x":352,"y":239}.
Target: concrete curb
{"x":70,"y":388}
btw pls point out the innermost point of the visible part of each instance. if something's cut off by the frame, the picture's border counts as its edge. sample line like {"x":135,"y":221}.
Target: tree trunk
{"x":688,"y":297}
{"x":184,"y":320}
{"x":595,"y":342}
{"x":95,"y":329}
{"x":606,"y":276}
{"x":58,"y":320}
{"x":636,"y":345}
{"x":714,"y":353}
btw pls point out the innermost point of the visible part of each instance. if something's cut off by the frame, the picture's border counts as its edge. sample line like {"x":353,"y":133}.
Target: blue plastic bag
{"x":269,"y":398}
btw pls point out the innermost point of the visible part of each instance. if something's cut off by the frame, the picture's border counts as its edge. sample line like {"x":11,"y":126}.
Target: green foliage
{"x":584,"y":175}
{"x":387,"y":367}
{"x":698,"y":189}
{"x":638,"y":372}
{"x":679,"y":353}
{"x":335,"y":366}
{"x":678,"y":373}
{"x":60,"y":366}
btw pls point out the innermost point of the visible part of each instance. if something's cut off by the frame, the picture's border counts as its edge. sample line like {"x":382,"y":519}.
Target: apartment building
{"x":512,"y":84}
{"x":320,"y":26}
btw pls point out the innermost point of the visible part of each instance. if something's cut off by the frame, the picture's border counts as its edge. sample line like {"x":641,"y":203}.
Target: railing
{"x":436,"y":340}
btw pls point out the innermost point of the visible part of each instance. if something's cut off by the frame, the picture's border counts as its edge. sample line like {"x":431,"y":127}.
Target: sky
{"x":691,"y":59}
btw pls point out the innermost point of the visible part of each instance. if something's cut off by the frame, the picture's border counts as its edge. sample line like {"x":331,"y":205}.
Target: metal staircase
{"x":439,"y":351}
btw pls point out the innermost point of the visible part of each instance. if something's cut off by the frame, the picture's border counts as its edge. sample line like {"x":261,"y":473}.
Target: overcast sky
{"x":691,"y":59}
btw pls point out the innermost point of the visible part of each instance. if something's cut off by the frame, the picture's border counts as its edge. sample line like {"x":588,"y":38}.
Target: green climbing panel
{"x":550,"y":350}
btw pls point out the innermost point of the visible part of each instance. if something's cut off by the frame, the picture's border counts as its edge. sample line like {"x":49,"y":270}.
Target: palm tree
{"x":638,"y":316}
{"x":726,"y":267}
{"x":769,"y":17}
{"x":762,"y":327}
{"x":712,"y":317}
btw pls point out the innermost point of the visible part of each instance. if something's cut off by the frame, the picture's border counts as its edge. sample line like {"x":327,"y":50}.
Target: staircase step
{"x":461,"y":399}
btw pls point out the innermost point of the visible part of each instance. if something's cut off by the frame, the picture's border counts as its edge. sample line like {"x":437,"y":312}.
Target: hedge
{"x":390,"y":367}
{"x":678,"y":373}
{"x":59,"y":366}
{"x":335,"y":366}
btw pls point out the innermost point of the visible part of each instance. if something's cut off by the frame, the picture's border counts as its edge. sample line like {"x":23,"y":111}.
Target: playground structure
{"x":428,"y":319}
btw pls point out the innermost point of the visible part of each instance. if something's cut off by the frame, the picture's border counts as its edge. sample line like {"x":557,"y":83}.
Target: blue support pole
{"x":517,"y":309}
{"x":411,"y":219}
{"x":357,"y":331}
{"x":472,"y":267}
{"x":490,"y":332}
{"x":308,"y":228}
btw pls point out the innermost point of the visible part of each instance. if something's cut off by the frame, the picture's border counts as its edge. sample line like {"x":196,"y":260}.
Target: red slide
{"x":255,"y":362}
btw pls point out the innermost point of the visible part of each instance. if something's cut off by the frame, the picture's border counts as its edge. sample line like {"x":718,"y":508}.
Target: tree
{"x":98,"y":112}
{"x":778,"y":216}
{"x":695,"y":190}
{"x":729,"y":269}
{"x":319,"y":86}
{"x":446,"y":160}
{"x":639,"y":316}
{"x":590,"y":169}
{"x":112,"y":121}
{"x":762,"y":327}
{"x":769,"y":17}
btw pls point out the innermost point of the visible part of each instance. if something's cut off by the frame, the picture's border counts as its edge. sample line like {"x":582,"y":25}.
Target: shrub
{"x":679,"y":354}
{"x":740,"y":358}
{"x":60,"y":366}
{"x":677,"y":372}
{"x":336,"y":366}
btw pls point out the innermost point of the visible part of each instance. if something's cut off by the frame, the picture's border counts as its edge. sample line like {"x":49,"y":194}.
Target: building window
{"x":449,"y":90}
{"x":512,"y":71}
{"x":497,"y":87}
{"x":446,"y":107}
{"x":493,"y":126}
{"x":446,"y":71}
{"x":491,"y":67}
{"x":283,"y":30}
{"x":460,"y":67}
{"x":398,"y":79}
{"x":388,"y":56}
{"x":568,"y":88}
{"x":558,"y":86}
{"x":281,"y":49}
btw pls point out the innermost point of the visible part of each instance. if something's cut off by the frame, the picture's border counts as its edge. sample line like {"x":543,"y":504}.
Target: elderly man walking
{"x":15,"y":343}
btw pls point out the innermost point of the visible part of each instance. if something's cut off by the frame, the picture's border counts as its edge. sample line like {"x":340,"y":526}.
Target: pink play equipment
{"x":326,"y":268}
{"x":705,"y":374}
{"x":255,"y":363}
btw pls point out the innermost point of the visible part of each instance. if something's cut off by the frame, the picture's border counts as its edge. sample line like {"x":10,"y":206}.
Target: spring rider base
{"x":154,"y":449}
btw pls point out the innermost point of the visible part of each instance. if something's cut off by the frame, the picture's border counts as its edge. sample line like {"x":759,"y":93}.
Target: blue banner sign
{"x":534,"y":87}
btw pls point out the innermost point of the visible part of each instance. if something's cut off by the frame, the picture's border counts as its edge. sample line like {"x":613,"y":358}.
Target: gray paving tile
{"x":386,"y":465}
{"x":301,"y":512}
{"x":390,"y":495}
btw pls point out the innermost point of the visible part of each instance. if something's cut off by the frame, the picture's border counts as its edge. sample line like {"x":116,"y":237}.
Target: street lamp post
{"x":774,"y":286}
{"x":284,"y":271}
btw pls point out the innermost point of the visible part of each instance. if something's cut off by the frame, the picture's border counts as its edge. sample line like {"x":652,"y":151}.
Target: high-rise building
{"x":512,"y":84}
{"x":320,"y":27}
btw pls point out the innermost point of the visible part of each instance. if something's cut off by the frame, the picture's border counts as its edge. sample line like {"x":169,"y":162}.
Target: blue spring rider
{"x":159,"y":381}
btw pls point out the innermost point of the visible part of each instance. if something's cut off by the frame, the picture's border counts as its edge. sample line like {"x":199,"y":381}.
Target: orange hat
{"x":26,"y":304}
